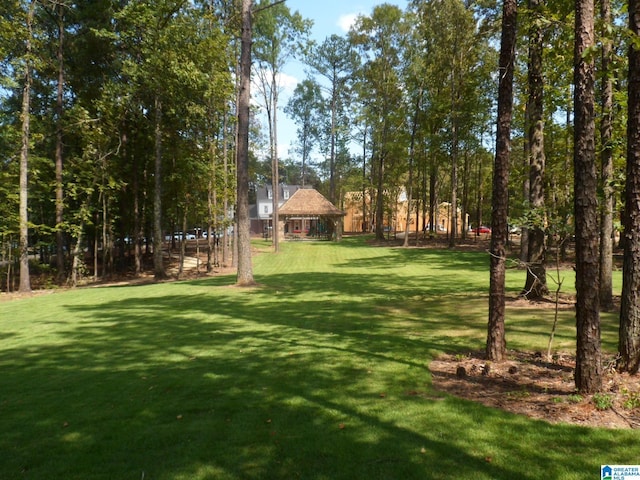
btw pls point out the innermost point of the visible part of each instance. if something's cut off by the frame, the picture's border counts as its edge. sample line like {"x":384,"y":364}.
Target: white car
{"x":187,"y":236}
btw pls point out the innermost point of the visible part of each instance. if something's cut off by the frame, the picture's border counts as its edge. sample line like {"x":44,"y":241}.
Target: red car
{"x":479,"y":230}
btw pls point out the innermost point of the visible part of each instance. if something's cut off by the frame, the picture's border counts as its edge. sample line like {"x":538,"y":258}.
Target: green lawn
{"x":320,"y":372}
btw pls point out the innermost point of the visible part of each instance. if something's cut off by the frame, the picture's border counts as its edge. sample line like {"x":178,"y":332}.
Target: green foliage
{"x":575,"y":398}
{"x":602,"y":401}
{"x":515,"y":395}
{"x":631,"y":399}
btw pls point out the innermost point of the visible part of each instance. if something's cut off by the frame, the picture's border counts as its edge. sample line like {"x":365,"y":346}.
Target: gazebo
{"x":308,"y":212}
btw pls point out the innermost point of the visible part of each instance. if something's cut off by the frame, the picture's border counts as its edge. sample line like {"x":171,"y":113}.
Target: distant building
{"x":395,"y":217}
{"x":309,"y":214}
{"x":261,"y":213}
{"x":303,"y":212}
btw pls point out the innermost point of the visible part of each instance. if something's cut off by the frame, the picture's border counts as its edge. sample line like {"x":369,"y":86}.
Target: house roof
{"x":263,"y":192}
{"x":308,"y":202}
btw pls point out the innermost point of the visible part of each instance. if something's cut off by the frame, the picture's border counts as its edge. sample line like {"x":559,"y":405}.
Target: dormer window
{"x":269,"y":194}
{"x":286,"y":194}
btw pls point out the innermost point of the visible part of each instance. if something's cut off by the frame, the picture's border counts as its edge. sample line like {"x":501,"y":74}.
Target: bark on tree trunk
{"x":380,"y":198}
{"x":58,"y":154}
{"x":158,"y":262}
{"x":225,"y":191}
{"x":365,"y":223}
{"x":629,"y":337}
{"x":433,"y":196}
{"x":588,"y":374}
{"x":138,"y":234}
{"x":454,"y":188}
{"x":524,"y":231}
{"x":76,"y":268}
{"x":332,"y":158}
{"x":606,"y":167}
{"x":496,"y":341}
{"x":536,"y":283}
{"x":275,"y":172}
{"x":245,"y":269}
{"x":464,"y":207}
{"x":414,"y":128}
{"x":25,"y":279}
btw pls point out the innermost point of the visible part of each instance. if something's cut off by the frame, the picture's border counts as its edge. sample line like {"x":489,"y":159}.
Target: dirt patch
{"x":528,"y":384}
{"x":193,"y":267}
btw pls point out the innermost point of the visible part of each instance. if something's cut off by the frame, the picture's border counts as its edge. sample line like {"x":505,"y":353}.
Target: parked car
{"x":187,"y":236}
{"x":481,"y":230}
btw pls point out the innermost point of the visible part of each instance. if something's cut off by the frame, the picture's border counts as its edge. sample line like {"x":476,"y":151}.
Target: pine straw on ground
{"x":528,"y":384}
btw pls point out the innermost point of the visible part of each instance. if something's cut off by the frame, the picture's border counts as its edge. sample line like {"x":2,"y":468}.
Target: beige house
{"x":396,"y":216}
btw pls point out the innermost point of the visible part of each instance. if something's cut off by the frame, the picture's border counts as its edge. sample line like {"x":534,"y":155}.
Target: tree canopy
{"x":119,"y":124}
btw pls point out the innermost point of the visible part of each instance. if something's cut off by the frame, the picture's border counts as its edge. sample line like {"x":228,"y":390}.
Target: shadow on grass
{"x":311,"y":375}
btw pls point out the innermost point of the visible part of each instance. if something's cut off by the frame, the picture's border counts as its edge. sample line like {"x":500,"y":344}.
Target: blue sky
{"x":329,"y":17}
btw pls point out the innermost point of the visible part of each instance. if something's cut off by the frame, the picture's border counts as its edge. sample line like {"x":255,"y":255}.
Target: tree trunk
{"x":58,"y":153}
{"x":496,"y":341}
{"x":183,"y":241}
{"x":225,"y":191}
{"x":536,"y":283}
{"x":453,"y":221}
{"x":245,"y":269}
{"x":480,"y":197}
{"x":606,"y":166}
{"x":332,"y":155}
{"x":25,"y":279}
{"x":588,"y":374}
{"x":433,"y":195}
{"x":414,"y":128}
{"x":464,"y":206}
{"x":275,"y":167}
{"x":526,"y":189}
{"x":629,"y":337}
{"x":158,"y":262}
{"x":78,"y":263}
{"x":365,"y":223}
{"x":138,"y":232}
{"x":380,"y":197}
{"x":107,"y":257}
{"x":216,"y":229}
{"x":566,"y":174}
{"x":211,"y":209}
{"x":96,"y":248}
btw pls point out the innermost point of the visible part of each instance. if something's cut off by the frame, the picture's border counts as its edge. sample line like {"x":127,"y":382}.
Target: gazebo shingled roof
{"x":307,"y":202}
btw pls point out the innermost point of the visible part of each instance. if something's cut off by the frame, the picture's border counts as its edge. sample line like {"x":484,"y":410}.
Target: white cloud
{"x":287,"y":82}
{"x":286,"y":85}
{"x":346,"y":21}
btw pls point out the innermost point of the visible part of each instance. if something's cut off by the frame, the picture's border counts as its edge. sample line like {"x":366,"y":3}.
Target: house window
{"x":286,"y":194}
{"x":269,"y":194}
{"x":266,"y":209}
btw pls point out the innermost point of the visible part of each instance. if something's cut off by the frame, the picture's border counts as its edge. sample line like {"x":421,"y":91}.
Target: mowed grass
{"x":319,"y":372}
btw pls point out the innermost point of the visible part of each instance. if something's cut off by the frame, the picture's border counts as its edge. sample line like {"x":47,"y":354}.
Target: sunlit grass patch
{"x":321,"y":371}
